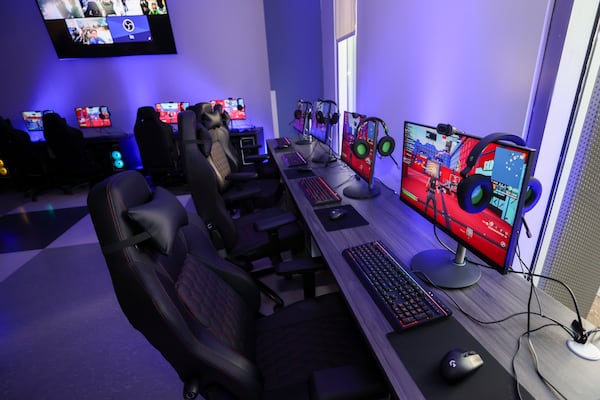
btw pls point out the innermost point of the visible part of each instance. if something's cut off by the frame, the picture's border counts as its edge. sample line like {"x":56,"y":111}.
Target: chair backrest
{"x":191,"y":305}
{"x":155,"y":141}
{"x":216,"y":123}
{"x":66,"y":144}
{"x":202,"y":180}
{"x":217,"y":157}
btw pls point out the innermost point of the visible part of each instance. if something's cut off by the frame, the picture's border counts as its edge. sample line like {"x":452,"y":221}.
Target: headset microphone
{"x":447,"y":129}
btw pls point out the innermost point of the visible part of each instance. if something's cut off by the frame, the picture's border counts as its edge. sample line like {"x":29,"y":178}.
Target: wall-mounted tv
{"x":108,"y":28}
{"x":93,"y":117}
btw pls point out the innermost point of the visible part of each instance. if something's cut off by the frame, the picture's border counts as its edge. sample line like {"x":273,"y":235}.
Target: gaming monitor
{"x":93,"y":117}
{"x":235,"y":108}
{"x":362,"y":164}
{"x":33,"y":120}
{"x":322,"y":128}
{"x":168,"y":112}
{"x":108,"y":28}
{"x":431,"y":173}
{"x":302,"y":117}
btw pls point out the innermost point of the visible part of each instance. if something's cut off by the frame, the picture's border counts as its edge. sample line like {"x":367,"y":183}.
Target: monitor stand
{"x":441,"y":269}
{"x":324,"y":157}
{"x":361,"y":190}
{"x":305,"y":139}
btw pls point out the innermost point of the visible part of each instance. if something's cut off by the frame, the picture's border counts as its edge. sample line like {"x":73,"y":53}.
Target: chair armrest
{"x":241,"y":176}
{"x":257,"y":158}
{"x":298,"y":266}
{"x":273,"y":223}
{"x":240,"y":194}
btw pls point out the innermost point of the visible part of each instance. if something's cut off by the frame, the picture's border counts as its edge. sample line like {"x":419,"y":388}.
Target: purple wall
{"x":221,"y":48}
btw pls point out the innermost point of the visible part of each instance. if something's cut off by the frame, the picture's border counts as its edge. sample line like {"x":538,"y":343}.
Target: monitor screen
{"x":168,"y":112}
{"x":234,"y":107}
{"x":431,"y":167}
{"x":93,"y":117}
{"x":107,"y":28}
{"x":33,"y":120}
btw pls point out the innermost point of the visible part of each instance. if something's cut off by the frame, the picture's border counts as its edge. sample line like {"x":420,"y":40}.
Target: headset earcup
{"x":474,"y":193}
{"x":360,"y":149}
{"x":297,"y":114}
{"x":319,"y":117}
{"x":335,"y":117}
{"x":533,"y":194}
{"x":386,"y":145}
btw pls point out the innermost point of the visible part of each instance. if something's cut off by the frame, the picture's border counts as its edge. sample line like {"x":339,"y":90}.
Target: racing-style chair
{"x":201,"y":312}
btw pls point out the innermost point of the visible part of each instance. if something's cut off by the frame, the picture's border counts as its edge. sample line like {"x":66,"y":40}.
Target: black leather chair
{"x":70,"y":161}
{"x":26,"y":163}
{"x":158,"y":147}
{"x":201,"y":312}
{"x":239,"y":237}
{"x":268,"y":190}
{"x":261,"y":163}
{"x":264,"y":233}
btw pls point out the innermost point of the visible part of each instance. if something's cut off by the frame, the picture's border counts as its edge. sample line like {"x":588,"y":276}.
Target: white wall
{"x":222,"y":52}
{"x":469,"y":63}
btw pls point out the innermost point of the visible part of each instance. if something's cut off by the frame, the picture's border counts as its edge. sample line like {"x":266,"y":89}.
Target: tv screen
{"x":93,"y":117}
{"x":33,"y":120}
{"x":431,"y":167}
{"x":108,"y":28}
{"x":234,"y":107}
{"x":168,"y":112}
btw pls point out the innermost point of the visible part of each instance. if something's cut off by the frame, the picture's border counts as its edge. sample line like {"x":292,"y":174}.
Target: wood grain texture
{"x":495,"y":297}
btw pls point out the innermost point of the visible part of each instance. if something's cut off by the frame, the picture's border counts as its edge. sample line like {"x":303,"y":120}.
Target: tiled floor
{"x":62,"y":333}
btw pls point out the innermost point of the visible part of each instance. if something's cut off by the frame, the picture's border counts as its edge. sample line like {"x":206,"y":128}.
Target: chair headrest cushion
{"x":161,"y":217}
{"x":211,"y":120}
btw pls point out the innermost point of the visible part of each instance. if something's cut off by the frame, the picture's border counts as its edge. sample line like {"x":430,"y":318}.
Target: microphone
{"x":447,"y":129}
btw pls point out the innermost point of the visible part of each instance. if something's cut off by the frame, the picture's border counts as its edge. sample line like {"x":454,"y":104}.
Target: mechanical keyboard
{"x":399,"y":294}
{"x":293,"y":159}
{"x":282,"y":143}
{"x":318,"y":191}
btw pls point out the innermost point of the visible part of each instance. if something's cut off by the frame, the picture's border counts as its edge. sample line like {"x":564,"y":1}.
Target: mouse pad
{"x":352,"y":219}
{"x":295,"y":173}
{"x":421,"y":350}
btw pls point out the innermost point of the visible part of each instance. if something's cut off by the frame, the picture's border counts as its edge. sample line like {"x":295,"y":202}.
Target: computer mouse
{"x":337,"y":213}
{"x":457,"y":364}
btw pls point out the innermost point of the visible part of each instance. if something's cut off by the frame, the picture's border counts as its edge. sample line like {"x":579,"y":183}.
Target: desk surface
{"x":495,"y":297}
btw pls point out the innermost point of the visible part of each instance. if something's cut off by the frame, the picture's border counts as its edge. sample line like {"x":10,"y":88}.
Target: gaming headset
{"x":474,"y":192}
{"x":308,"y":109}
{"x":332,"y":116}
{"x":385,"y":146}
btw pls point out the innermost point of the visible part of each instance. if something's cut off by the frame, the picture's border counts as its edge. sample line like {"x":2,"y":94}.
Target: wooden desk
{"x":495,"y":297}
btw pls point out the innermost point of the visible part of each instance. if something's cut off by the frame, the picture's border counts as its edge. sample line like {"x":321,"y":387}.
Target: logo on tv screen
{"x":129,"y":29}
